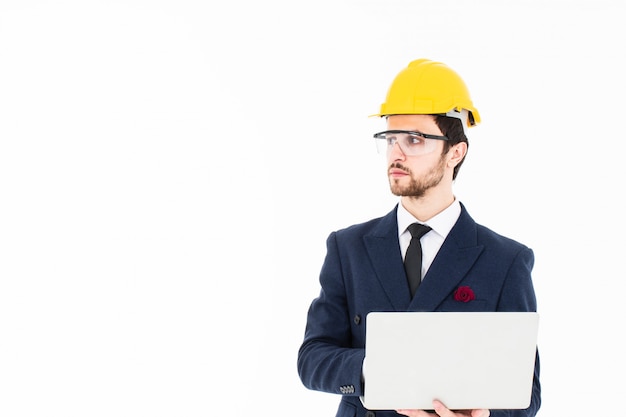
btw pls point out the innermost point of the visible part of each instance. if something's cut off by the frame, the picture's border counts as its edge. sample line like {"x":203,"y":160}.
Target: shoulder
{"x":359,"y":228}
{"x":488,"y":237}
{"x":379,"y":226}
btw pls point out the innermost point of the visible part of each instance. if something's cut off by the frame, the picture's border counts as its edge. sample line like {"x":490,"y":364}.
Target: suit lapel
{"x":383,"y":249}
{"x":455,"y":258}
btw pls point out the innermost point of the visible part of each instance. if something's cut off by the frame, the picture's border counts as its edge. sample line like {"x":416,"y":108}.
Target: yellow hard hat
{"x":429,"y":87}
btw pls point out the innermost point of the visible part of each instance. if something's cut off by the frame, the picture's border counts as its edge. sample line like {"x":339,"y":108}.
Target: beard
{"x":417,"y":187}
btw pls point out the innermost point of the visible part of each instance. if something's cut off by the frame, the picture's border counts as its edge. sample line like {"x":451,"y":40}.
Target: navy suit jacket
{"x":363,"y":272}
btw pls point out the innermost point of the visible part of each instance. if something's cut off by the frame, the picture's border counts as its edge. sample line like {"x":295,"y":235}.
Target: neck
{"x":426,"y":207}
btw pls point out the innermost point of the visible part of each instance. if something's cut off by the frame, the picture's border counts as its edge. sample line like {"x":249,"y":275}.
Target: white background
{"x":147,"y":146}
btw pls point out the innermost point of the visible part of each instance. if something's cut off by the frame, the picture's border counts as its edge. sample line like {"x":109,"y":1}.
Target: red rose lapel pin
{"x":464,"y":294}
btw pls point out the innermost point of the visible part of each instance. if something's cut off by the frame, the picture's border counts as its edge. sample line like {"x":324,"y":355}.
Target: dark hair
{"x":453,"y":129}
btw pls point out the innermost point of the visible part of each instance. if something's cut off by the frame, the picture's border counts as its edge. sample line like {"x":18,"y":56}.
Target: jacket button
{"x":357,"y":320}
{"x":370,"y":414}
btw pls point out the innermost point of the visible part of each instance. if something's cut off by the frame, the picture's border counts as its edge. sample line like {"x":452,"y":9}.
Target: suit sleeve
{"x":518,"y":294}
{"x":327,"y":359}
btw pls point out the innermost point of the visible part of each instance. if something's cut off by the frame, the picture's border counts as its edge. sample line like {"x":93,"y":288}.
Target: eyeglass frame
{"x":409,"y":132}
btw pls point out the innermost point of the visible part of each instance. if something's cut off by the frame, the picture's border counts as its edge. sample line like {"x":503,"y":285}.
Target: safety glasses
{"x":410,"y":142}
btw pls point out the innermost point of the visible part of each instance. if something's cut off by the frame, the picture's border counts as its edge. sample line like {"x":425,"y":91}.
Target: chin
{"x":398,"y":192}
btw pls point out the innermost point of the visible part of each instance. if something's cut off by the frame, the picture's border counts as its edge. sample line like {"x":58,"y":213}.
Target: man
{"x":428,"y":112}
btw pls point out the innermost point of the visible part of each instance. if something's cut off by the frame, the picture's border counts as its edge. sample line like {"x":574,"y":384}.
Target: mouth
{"x":397,"y":173}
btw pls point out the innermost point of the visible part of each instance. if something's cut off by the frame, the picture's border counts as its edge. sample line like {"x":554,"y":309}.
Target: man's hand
{"x":442,"y":411}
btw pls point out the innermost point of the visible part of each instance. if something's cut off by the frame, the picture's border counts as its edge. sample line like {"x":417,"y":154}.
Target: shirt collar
{"x":441,"y":224}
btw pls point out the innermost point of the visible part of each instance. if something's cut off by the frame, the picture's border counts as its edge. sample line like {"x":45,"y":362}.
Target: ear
{"x":456,"y":154}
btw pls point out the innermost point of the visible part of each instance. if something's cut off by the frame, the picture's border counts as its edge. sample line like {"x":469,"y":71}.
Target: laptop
{"x":466,"y":360}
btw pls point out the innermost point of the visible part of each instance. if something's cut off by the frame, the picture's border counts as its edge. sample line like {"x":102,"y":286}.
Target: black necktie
{"x":413,"y":257}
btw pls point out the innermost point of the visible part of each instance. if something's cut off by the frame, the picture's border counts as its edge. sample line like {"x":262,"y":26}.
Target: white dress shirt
{"x":441,"y":225}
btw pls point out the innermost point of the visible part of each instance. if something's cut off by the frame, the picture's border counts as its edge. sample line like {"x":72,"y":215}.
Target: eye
{"x":415,"y":140}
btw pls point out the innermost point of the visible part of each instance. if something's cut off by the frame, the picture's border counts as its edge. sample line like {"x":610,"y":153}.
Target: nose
{"x":394,"y":153}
